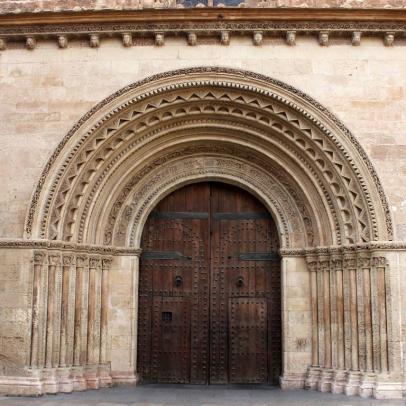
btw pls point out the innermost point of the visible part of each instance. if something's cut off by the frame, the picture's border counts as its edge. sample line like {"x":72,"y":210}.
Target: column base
{"x":312,"y":378}
{"x":50,"y":380}
{"x":91,"y":376}
{"x":105,"y":379}
{"x":326,"y":380}
{"x":65,"y":381}
{"x":339,"y":381}
{"x":353,"y":383}
{"x":367,"y":384}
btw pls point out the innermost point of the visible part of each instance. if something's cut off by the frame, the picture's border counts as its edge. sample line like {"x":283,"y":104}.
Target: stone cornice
{"x":204,"y":21}
{"x":205,"y":15}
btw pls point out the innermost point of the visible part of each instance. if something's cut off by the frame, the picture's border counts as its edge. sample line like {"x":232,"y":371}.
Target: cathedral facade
{"x":203,"y":192}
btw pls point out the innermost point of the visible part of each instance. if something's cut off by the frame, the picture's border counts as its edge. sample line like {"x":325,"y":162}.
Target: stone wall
{"x":45,"y":91}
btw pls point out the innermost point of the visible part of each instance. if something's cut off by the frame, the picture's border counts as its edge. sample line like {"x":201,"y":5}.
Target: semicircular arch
{"x":324,"y":168}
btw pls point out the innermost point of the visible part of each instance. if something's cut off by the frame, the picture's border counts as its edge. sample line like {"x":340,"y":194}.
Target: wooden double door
{"x":209,"y":289}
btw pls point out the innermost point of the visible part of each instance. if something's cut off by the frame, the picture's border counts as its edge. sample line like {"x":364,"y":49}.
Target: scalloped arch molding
{"x":182,"y":126}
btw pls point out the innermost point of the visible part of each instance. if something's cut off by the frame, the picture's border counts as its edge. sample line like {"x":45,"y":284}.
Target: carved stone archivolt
{"x":315,"y":159}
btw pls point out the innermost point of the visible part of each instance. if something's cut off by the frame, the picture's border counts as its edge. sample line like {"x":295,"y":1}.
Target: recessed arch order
{"x":234,"y":126}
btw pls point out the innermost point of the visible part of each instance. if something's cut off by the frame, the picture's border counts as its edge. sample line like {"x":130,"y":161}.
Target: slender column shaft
{"x":354,"y":320}
{"x":312,"y":265}
{"x":106,"y":264}
{"x":53,"y":263}
{"x":374,"y":292}
{"x":39,"y":258}
{"x":347,"y":314}
{"x":361,"y":316}
{"x":382,"y":315}
{"x":67,"y":262}
{"x":326,"y":315}
{"x":368,"y":318}
{"x":340,"y":316}
{"x":320,"y":313}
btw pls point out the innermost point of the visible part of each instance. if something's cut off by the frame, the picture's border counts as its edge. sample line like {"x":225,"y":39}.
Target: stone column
{"x":314,"y":371}
{"x":37,"y":309}
{"x":351,"y":322}
{"x":66,"y":341}
{"x":337,"y":291}
{"x":49,"y":374}
{"x":364,"y":269}
{"x":93,"y":323}
{"x":104,"y":365}
{"x":325,"y":312}
{"x":80,"y":323}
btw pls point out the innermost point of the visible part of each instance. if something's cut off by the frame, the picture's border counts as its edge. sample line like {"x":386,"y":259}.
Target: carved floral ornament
{"x":151,"y":137}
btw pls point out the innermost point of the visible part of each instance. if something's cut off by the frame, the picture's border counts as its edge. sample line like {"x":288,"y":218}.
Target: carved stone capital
{"x":312,"y":264}
{"x":54,"y":259}
{"x":106,"y":263}
{"x":192,"y":38}
{"x":82,"y":261}
{"x":291,"y":38}
{"x":62,"y":41}
{"x":257,"y":38}
{"x":95,"y":262}
{"x":94,"y":41}
{"x":3,"y":44}
{"x":379,"y":262}
{"x":323,"y":38}
{"x":159,"y":39}
{"x":127,"y":39}
{"x":68,"y":259}
{"x":39,"y":257}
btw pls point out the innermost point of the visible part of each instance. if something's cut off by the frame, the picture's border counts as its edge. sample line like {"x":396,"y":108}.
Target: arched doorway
{"x":210,"y":292}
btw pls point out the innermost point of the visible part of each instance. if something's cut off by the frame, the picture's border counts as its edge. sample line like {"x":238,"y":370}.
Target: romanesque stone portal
{"x":83,"y":298}
{"x":209,"y":307}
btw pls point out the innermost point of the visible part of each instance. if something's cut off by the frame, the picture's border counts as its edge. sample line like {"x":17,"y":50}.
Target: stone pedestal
{"x":312,"y":378}
{"x":353,"y":383}
{"x":50,"y":380}
{"x":105,"y":379}
{"x":326,"y":380}
{"x":79,"y":382}
{"x":339,"y":381}
{"x":367,"y":384}
{"x":91,"y":376}
{"x":65,"y":381}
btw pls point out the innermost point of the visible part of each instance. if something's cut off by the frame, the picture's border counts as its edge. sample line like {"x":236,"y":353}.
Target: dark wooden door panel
{"x":209,"y":298}
{"x":248,"y":340}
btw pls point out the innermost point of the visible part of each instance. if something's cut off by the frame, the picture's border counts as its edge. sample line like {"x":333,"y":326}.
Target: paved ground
{"x":179,"y":395}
